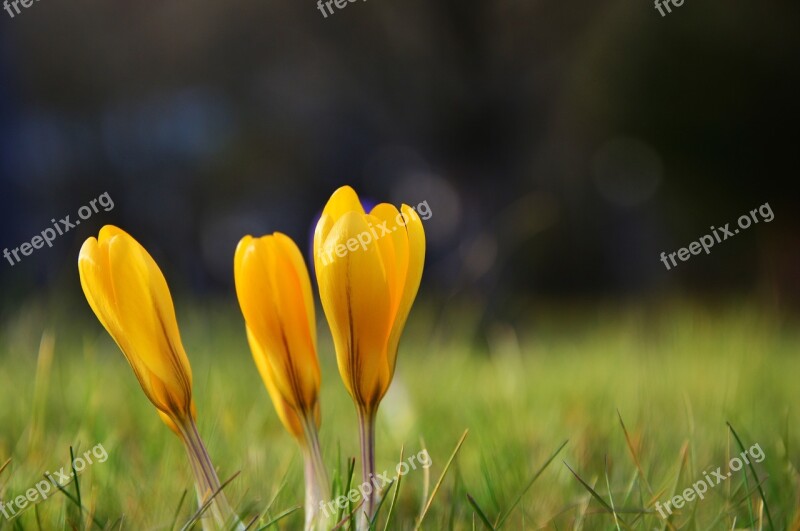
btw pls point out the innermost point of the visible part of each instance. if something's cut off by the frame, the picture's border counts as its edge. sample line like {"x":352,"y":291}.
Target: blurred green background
{"x":673,"y":373}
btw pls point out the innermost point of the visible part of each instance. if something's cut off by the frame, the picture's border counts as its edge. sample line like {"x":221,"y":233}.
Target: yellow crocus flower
{"x":368,"y":268}
{"x":274,"y":291}
{"x":130,"y":297}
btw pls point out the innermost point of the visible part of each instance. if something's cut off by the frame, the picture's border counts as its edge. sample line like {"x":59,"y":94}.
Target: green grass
{"x":673,"y":374}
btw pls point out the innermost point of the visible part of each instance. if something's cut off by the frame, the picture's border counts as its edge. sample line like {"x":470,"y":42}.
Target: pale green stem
{"x":366,"y":425}
{"x":316,"y":477}
{"x":206,"y":482}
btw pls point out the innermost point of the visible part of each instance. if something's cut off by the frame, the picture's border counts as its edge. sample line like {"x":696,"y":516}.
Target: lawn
{"x":675,"y":374}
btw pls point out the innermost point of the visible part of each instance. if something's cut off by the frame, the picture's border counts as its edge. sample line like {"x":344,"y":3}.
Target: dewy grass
{"x":564,"y":378}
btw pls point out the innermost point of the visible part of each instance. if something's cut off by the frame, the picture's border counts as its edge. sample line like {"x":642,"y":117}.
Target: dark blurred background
{"x":561,"y":146}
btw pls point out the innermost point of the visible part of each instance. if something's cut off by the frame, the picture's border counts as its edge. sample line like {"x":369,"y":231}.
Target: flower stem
{"x":207,"y":483}
{"x":366,"y":424}
{"x":316,"y":477}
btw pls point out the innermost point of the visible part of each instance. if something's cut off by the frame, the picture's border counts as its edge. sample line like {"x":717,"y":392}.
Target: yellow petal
{"x":292,"y":253}
{"x":274,"y":292}
{"x":286,"y":414}
{"x":416,"y":262}
{"x":95,"y":277}
{"x":95,"y":274}
{"x":342,"y":201}
{"x":254,"y":289}
{"x":145,"y":310}
{"x":394,"y":249}
{"x":356,"y":299}
{"x":292,"y":285}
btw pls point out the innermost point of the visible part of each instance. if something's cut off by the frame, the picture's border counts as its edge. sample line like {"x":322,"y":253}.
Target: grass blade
{"x":279,"y":516}
{"x":394,"y":496}
{"x":281,"y":486}
{"x":348,"y":518}
{"x":594,"y":494}
{"x":386,"y":491}
{"x":755,"y":476}
{"x":77,"y":483}
{"x":351,"y":467}
{"x":480,"y":513}
{"x":5,"y":465}
{"x":633,"y":454}
{"x":71,"y":498}
{"x":530,"y":484}
{"x":441,"y":480}
{"x":207,"y":504}
{"x":610,"y":497}
{"x":380,"y":504}
{"x":178,"y":510}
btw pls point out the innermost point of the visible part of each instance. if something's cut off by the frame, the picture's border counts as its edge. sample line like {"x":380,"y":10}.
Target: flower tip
{"x":346,"y":198}
{"x":87,"y":248}
{"x":346,"y":189}
{"x":244,"y":242}
{"x":108,"y":232}
{"x":282,"y":241}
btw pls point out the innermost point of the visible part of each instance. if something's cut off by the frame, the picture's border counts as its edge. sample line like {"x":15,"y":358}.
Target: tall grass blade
{"x":441,"y":480}
{"x":611,"y":497}
{"x":530,"y":484}
{"x":480,"y":513}
{"x":280,"y":516}
{"x":755,"y":477}
{"x":594,"y":494}
{"x":178,"y":510}
{"x":394,"y":496}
